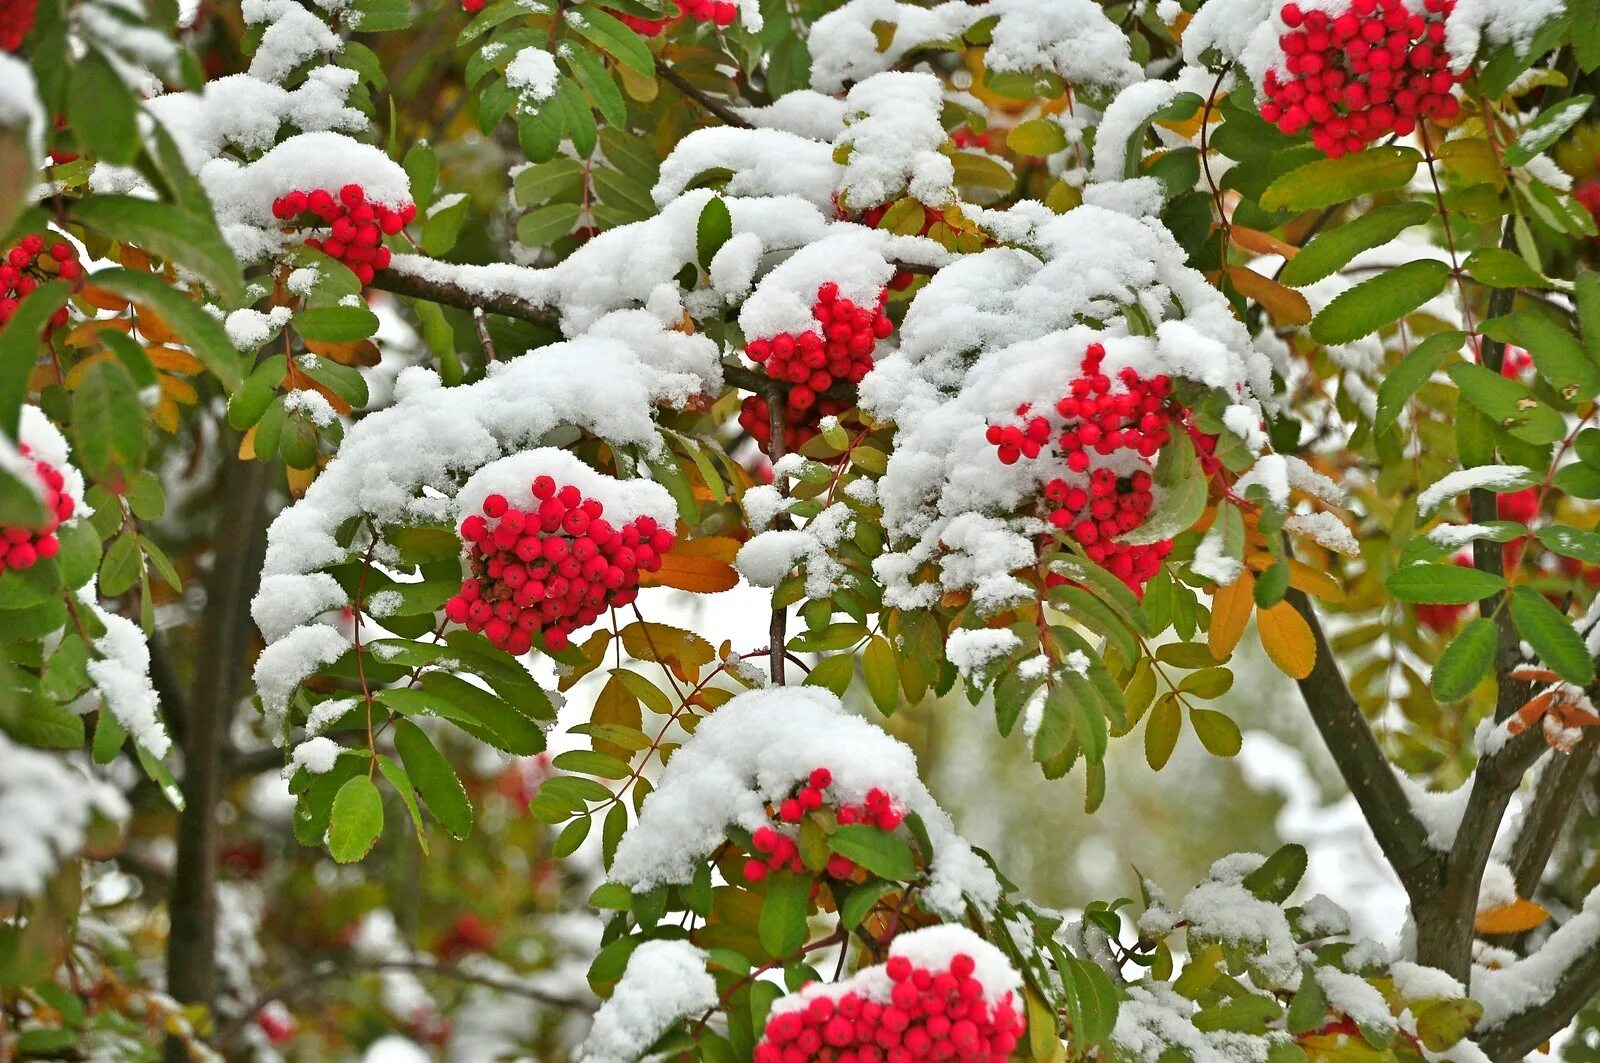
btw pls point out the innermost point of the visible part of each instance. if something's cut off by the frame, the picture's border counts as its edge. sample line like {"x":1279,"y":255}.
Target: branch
{"x":1578,"y":984}
{"x":727,"y":114}
{"x":1366,"y":771}
{"x":1548,"y":813}
{"x":307,"y":981}
{"x":449,"y":293}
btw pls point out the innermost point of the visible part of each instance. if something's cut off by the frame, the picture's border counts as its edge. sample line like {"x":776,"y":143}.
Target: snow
{"x":1526,"y":983}
{"x":1071,"y":38}
{"x":1455,"y":536}
{"x":1439,"y":813}
{"x":972,"y":650}
{"x":534,"y":75}
{"x":1413,"y":981}
{"x":286,"y":662}
{"x":120,"y":671}
{"x":1499,"y":22}
{"x":765,"y":559}
{"x":753,"y":751}
{"x":20,"y":108}
{"x":1326,"y":529}
{"x":1133,"y":106}
{"x":313,"y":405}
{"x":293,"y":35}
{"x":893,"y":135}
{"x":1357,"y":998}
{"x":46,"y":443}
{"x":1482,"y":477}
{"x":1222,"y":909}
{"x":244,"y":112}
{"x":284,"y":602}
{"x":664,"y":981}
{"x":1211,"y":562}
{"x":250,"y":329}
{"x":315,"y":755}
{"x":47,"y":803}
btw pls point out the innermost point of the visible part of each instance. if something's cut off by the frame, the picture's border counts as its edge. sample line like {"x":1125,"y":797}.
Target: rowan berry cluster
{"x":1093,"y":418}
{"x":16,"y":22}
{"x":839,"y":349}
{"x":1360,"y":75}
{"x":29,"y":263}
{"x":550,"y":568}
{"x":23,"y":547}
{"x":719,"y":12}
{"x":777,"y":851}
{"x":930,"y":1014}
{"x":356,"y":228}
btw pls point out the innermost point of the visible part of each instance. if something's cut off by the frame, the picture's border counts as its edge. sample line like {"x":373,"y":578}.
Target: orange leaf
{"x":247,"y":445}
{"x":361,"y":352}
{"x":1511,"y":918}
{"x":101,"y":299}
{"x":1530,"y":712}
{"x":1231,"y":607}
{"x":1261,"y":243}
{"x":1284,"y":304}
{"x":699,"y":565}
{"x":174,"y":360}
{"x":1303,"y":577}
{"x":1531,"y":674}
{"x":1287,"y":638}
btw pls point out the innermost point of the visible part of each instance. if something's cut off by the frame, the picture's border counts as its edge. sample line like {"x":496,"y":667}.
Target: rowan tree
{"x":390,"y":393}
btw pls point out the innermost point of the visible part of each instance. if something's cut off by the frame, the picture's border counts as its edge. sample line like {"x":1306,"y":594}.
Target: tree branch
{"x":1548,"y":812}
{"x":1578,"y":985}
{"x":308,"y":981}
{"x":1366,"y":771}
{"x":727,"y":114}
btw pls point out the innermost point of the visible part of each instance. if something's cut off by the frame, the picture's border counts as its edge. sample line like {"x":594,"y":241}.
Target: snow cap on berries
{"x":512,"y":478}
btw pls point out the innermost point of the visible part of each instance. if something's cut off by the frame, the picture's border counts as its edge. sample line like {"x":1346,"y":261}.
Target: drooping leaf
{"x":1465,"y":662}
{"x":1379,"y":301}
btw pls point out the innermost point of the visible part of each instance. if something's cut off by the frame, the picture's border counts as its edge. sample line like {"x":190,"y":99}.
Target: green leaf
{"x":496,"y":722}
{"x":543,"y":227}
{"x":421,"y":165}
{"x":434,"y":779}
{"x":442,"y":224}
{"x":1465,"y":662}
{"x":1217,"y":732}
{"x":882,"y":673}
{"x":121,"y":567}
{"x":1037,"y":136}
{"x":357,"y":820}
{"x":1329,"y":181}
{"x":1278,"y":874}
{"x":1557,"y":354}
{"x":336,"y":324}
{"x":1572,"y":542}
{"x":1499,"y":268}
{"x":107,"y":418}
{"x":596,"y":81}
{"x":204,"y":333}
{"x":1328,"y":252}
{"x":402,"y":785}
{"x":881,"y":852}
{"x":1585,"y":296}
{"x":20,"y":348}
{"x":1585,"y":23}
{"x":1402,"y":382}
{"x":981,"y":171}
{"x":1309,"y":1006}
{"x":102,"y":111}
{"x":713,"y":230}
{"x":1552,"y":635}
{"x":1548,"y":128}
{"x":1508,"y":403}
{"x":613,"y":38}
{"x":1443,"y":584}
{"x":1379,"y":301}
{"x":1161,"y":732}
{"x":560,"y":178}
{"x":782,"y":925}
{"x":166,"y":231}
{"x":1444,"y":1023}
{"x":380,"y":16}
{"x":588,"y":762}
{"x":1182,"y":498}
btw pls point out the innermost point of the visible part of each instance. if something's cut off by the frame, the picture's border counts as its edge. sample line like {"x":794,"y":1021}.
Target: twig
{"x":728,"y":115}
{"x":481,"y":325}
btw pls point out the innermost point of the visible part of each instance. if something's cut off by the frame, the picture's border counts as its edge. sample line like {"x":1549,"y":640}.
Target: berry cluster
{"x":719,"y":12}
{"x":22,"y":548}
{"x":28,"y":264}
{"x":1363,"y":74}
{"x":16,"y":22}
{"x":1092,"y":418}
{"x":930,"y":1014}
{"x":840,"y":348}
{"x":775,"y":851}
{"x":356,"y":228}
{"x":551,"y":568}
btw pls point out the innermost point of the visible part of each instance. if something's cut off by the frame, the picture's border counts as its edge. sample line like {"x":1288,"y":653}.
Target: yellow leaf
{"x":179,"y":390}
{"x":1285,"y":305}
{"x":1230,"y":611}
{"x":1261,"y":243}
{"x":1303,"y":577}
{"x":700,"y":565}
{"x":682,"y":651}
{"x":299,"y":479}
{"x":1513,"y":918}
{"x":361,"y":352}
{"x":1287,"y":638}
{"x":615,"y":707}
{"x":247,"y":445}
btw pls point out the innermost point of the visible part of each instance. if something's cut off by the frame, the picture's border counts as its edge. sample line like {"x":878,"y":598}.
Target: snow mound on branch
{"x":1222,"y":909}
{"x":1472,"y":22}
{"x":47,"y":804}
{"x":1071,"y":38}
{"x":404,"y":464}
{"x":752,"y":752}
{"x":1002,"y":327}
{"x":244,"y":112}
{"x":664,"y":981}
{"x":121,"y":674}
{"x":1508,"y":991}
{"x":930,"y":948}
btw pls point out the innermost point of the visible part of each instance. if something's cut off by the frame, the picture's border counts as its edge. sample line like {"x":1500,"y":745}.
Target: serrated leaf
{"x":434,"y":779}
{"x":1508,"y":403}
{"x":1442,"y":584}
{"x":1557,"y":354}
{"x":1216,"y":731}
{"x":1379,"y":301}
{"x":1548,"y":128}
{"x":1465,"y":662}
{"x":1329,"y":251}
{"x":712,"y":230}
{"x":1552,"y":635}
{"x":1402,"y":382}
{"x":356,"y":820}
{"x":1288,"y":640}
{"x":1326,"y":182}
